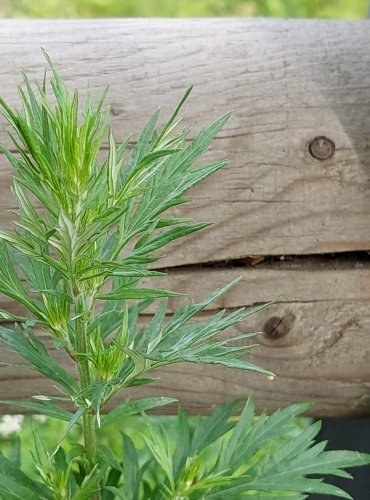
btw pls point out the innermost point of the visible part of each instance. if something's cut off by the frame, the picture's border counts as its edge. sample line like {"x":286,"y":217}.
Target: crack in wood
{"x":352,"y":259}
{"x":334,"y":337}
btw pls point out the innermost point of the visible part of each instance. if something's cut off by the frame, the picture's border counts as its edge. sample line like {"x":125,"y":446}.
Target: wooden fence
{"x":292,"y":211}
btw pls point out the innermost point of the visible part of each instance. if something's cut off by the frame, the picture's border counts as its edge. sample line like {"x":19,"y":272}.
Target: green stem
{"x":84,"y":374}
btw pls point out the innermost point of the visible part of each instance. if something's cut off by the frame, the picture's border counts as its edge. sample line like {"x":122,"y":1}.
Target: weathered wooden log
{"x":297,"y":187}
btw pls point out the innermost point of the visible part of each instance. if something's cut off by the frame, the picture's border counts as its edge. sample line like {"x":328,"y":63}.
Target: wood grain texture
{"x":316,"y":339}
{"x":288,"y":82}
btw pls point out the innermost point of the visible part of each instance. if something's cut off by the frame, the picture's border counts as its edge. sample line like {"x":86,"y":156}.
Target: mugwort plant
{"x":85,"y":235}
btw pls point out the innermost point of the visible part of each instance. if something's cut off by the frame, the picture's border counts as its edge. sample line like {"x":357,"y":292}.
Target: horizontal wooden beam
{"x":316,"y":340}
{"x":288,"y":83}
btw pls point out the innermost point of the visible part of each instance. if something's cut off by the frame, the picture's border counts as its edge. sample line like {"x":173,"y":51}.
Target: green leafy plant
{"x":85,"y":236}
{"x":344,"y":9}
{"x":219,"y":457}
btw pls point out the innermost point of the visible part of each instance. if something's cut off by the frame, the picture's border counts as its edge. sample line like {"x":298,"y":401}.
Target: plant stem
{"x":85,"y":381}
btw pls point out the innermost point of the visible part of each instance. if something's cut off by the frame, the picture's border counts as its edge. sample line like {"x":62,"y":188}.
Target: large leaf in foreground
{"x":15,"y":485}
{"x":265,"y":457}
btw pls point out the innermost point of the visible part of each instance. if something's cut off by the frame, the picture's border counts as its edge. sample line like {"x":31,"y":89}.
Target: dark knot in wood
{"x":277,"y":327}
{"x":321,"y":148}
{"x":115,"y":111}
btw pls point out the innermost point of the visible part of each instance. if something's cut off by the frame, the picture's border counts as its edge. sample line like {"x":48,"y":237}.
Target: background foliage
{"x":340,"y":9}
{"x":193,"y":458}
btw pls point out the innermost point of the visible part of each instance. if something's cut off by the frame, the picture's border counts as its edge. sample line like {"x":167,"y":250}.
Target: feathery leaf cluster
{"x":102,"y":224}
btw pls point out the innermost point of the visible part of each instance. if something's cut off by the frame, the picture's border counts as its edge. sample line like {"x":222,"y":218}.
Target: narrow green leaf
{"x":41,"y":453}
{"x":107,"y":457}
{"x":182,"y":449}
{"x":169,"y":236}
{"x":72,"y":422}
{"x":160,"y":447}
{"x":292,"y":485}
{"x":131,"y":468}
{"x":24,"y":342}
{"x":213,"y":427}
{"x":266,"y":430}
{"x":138,"y":293}
{"x":119,"y":495}
{"x":201,"y":142}
{"x":15,"y":453}
{"x":240,"y":430}
{"x":129,"y":407}
{"x":44,"y":408}
{"x":144,"y":141}
{"x":15,"y":490}
{"x":58,"y":294}
{"x":14,"y":482}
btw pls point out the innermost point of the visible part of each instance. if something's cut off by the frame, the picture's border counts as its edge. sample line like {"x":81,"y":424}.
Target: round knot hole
{"x":321,"y":148}
{"x":277,"y":327}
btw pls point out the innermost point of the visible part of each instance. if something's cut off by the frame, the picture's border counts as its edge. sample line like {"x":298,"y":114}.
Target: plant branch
{"x":84,"y":374}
